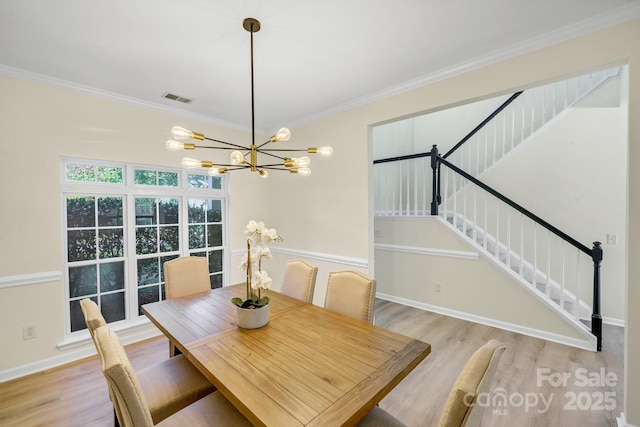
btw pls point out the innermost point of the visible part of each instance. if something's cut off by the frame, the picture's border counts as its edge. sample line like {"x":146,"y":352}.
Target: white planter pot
{"x":252,"y":318}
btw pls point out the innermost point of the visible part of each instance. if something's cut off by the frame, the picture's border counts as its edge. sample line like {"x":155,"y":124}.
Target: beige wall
{"x":329,"y":214}
{"x":473,"y":286}
{"x":41,"y":124}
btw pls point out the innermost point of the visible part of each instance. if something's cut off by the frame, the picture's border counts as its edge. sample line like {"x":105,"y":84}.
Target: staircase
{"x":559,"y":271}
{"x":521,"y":119}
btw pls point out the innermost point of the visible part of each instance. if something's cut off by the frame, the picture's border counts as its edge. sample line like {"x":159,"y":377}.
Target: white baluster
{"x":548,"y":289}
{"x":533,"y":111}
{"x":562,"y":281}
{"x":486,"y":214}
{"x":535,"y":254}
{"x":416,"y":167}
{"x":445,"y":198}
{"x":496,"y":252}
{"x":576,"y":311}
{"x":522,"y":245}
{"x":475,"y":215}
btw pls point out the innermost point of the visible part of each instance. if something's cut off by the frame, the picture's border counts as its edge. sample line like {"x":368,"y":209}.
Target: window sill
{"x":129,"y":332}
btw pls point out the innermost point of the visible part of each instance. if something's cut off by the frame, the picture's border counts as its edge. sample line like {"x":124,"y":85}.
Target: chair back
{"x":351,"y":293}
{"x":92,"y":315}
{"x":299,"y":280}
{"x":124,"y":389}
{"x":460,"y":408}
{"x":186,"y":276}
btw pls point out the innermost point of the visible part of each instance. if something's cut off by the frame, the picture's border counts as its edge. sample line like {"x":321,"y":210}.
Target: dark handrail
{"x":462,"y":141}
{"x":407,"y":157}
{"x":483,"y":123}
{"x":519,"y":208}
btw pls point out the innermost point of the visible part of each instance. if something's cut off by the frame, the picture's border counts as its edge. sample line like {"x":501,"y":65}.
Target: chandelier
{"x":254,"y":158}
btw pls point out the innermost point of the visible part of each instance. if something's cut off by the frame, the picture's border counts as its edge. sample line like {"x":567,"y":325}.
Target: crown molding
{"x":614,"y":17}
{"x":20,"y":74}
{"x":617,"y":16}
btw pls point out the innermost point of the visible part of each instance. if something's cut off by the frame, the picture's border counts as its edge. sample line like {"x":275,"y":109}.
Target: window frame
{"x":129,"y":190}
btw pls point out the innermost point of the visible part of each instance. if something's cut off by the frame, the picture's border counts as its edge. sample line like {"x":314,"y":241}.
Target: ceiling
{"x":311,"y":57}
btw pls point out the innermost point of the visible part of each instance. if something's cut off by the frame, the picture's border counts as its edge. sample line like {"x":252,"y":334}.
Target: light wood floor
{"x":76,"y":394}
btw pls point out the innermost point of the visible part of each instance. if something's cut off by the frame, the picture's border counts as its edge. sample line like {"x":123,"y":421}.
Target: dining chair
{"x":299,"y":280}
{"x":168,"y":386}
{"x":460,"y":409}
{"x":351,"y":293}
{"x":131,"y":402}
{"x":185,"y":276}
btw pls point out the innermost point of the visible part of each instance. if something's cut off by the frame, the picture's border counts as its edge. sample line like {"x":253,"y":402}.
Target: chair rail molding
{"x":336,"y":259}
{"x":427,"y":251}
{"x":30,"y":279}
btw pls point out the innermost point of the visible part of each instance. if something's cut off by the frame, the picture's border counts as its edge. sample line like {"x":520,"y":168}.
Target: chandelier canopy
{"x":254,"y":158}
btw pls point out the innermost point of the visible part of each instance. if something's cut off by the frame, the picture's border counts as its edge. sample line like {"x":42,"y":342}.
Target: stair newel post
{"x":596,"y":317}
{"x":435,"y":168}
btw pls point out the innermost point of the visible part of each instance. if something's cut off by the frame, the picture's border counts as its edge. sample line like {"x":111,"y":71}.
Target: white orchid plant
{"x":258,"y":239}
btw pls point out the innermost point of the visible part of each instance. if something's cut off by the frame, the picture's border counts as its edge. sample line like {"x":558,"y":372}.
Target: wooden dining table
{"x":308,"y":366}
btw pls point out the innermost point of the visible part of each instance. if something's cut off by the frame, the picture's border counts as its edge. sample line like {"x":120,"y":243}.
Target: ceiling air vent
{"x":177,"y":98}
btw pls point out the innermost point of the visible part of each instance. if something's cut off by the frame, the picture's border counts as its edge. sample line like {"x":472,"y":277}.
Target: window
{"x":122,"y":222}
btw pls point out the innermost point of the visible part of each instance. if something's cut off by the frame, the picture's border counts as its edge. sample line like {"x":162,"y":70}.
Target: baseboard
{"x":536,"y":333}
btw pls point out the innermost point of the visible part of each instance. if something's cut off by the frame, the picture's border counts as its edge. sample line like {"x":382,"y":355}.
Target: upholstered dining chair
{"x":460,"y":409}
{"x":351,"y":293}
{"x":185,"y":276}
{"x":131,"y":402}
{"x":299,"y":280}
{"x":168,"y":386}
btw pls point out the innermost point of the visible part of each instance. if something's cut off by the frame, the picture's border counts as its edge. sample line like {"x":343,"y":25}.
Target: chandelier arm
{"x":215,"y":165}
{"x":221,"y":148}
{"x":273,"y":167}
{"x":284,"y":149}
{"x":222,"y":142}
{"x":235,"y":167}
{"x":269,"y":154}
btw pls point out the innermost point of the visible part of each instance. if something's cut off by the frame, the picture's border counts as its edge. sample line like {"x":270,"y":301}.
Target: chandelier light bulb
{"x":188,"y":163}
{"x":236,"y":158}
{"x":304,"y":171}
{"x":302,"y":162}
{"x":282,"y":135}
{"x":263,"y":174}
{"x":216,"y":171}
{"x":174,"y":145}
{"x":325,"y":151}
{"x":181,"y":133}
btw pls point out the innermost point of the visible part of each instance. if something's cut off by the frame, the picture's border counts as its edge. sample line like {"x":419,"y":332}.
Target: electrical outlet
{"x":28,"y":332}
{"x":612,"y":239}
{"x":436,"y":287}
